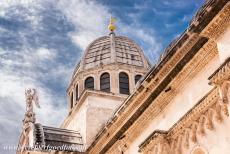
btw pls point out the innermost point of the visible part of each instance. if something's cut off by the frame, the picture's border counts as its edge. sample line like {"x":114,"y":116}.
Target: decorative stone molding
{"x":221,"y":74}
{"x":199,"y":150}
{"x":209,"y":110}
{"x":208,"y":52}
{"x":194,"y":123}
{"x":221,"y":79}
{"x":82,"y":98}
{"x":134,"y":103}
{"x":159,"y":145}
{"x":204,"y":55}
{"x":152,"y":82}
{"x":112,"y":69}
{"x":219,"y":24}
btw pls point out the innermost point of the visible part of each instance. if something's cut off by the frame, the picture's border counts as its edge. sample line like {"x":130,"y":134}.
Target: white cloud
{"x":90,"y":20}
{"x":45,"y":54}
{"x":20,"y":70}
{"x":12,"y":102}
{"x":6,"y":4}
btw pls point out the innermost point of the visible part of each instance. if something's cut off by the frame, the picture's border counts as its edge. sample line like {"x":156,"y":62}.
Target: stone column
{"x":97,"y":81}
{"x":80,"y":85}
{"x":114,"y":83}
{"x":131,"y":80}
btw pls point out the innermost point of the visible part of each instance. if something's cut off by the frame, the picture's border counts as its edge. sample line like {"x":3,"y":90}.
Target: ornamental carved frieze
{"x":211,"y":110}
{"x":206,"y":53}
{"x":221,"y":80}
{"x":219,"y":24}
{"x":160,"y":143}
{"x":208,"y":112}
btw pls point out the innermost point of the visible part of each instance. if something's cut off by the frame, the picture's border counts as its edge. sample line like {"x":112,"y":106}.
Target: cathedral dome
{"x":113,"y":49}
{"x":110,"y":65}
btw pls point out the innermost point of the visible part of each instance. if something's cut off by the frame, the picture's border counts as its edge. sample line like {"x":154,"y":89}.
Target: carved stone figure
{"x":31,"y":96}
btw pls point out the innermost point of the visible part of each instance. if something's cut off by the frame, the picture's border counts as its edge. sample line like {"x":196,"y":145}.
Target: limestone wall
{"x":92,"y":115}
{"x":223,"y":44}
{"x":194,"y":88}
{"x":187,"y":96}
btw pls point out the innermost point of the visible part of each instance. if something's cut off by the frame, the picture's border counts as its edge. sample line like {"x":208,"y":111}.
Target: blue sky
{"x":42,"y":40}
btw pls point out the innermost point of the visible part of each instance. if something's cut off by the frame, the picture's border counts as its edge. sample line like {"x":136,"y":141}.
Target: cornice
{"x":193,"y":123}
{"x":205,"y":14}
{"x":151,"y":82}
{"x":148,"y":95}
{"x":221,"y":73}
{"x":219,"y":24}
{"x":206,"y":54}
{"x":78,"y":103}
{"x":201,"y":117}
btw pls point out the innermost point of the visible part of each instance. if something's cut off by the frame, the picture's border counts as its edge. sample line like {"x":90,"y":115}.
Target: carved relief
{"x":224,"y":90}
{"x":188,"y":128}
{"x":218,"y":115}
{"x":160,"y":144}
{"x":199,"y":150}
{"x":225,"y":109}
{"x":209,"y":124}
{"x":210,"y":110}
{"x":201,"y":122}
{"x":186,"y":138}
{"x":193,"y":132}
{"x":219,"y":24}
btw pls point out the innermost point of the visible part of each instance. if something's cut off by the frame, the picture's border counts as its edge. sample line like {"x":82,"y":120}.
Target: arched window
{"x":76,"y":92}
{"x":124,"y":83}
{"x":89,"y":83}
{"x":105,"y":82}
{"x":137,"y":78}
{"x":71,"y":100}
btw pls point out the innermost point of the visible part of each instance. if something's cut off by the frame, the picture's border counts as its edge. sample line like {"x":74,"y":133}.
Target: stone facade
{"x":93,"y":108}
{"x":180,"y":105}
{"x":181,"y":97}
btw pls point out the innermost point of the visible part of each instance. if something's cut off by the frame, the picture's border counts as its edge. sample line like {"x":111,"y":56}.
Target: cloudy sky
{"x":42,"y":40}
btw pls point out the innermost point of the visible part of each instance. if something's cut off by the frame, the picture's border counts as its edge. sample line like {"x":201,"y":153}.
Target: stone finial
{"x":111,"y":25}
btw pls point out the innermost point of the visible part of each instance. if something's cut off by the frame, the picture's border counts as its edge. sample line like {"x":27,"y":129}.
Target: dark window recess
{"x":76,"y":92}
{"x":89,"y":83}
{"x":132,"y":57}
{"x":124,"y":83}
{"x":71,"y":100}
{"x":105,"y":82}
{"x":137,"y":78}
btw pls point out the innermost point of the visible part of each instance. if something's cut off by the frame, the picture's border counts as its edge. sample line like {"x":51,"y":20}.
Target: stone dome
{"x":113,"y":49}
{"x":110,"y":64}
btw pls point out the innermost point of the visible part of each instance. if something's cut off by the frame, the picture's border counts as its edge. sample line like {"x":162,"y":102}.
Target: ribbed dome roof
{"x":113,"y":49}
